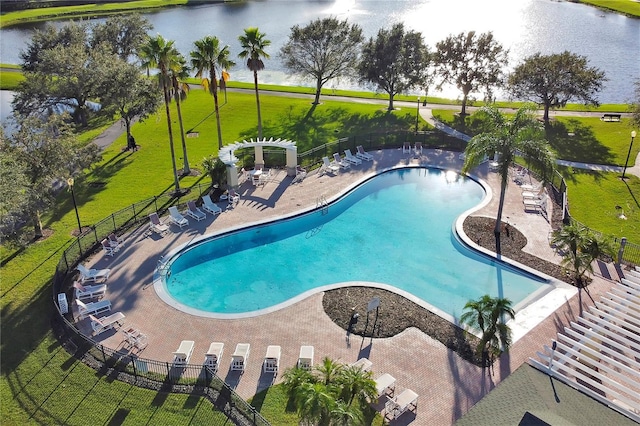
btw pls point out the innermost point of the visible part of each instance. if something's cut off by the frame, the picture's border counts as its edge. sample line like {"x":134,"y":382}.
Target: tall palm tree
{"x":161,"y":54}
{"x":254,"y":42}
{"x":207,"y":59}
{"x":178,"y":72}
{"x":520,"y":135}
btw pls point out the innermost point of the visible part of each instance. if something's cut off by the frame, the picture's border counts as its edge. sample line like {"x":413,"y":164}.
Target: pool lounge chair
{"x":239,"y":357}
{"x":305,"y":359}
{"x":98,"y":325}
{"x":363,"y":364}
{"x":534,"y":204}
{"x":328,"y":166}
{"x":342,"y":163}
{"x":213,"y":355}
{"x":407,"y":400}
{"x":385,"y":385}
{"x":271,"y":361}
{"x":93,"y":274}
{"x":157,"y":225}
{"x":406,"y":148}
{"x":351,"y":158}
{"x":194,"y":211}
{"x":176,"y":217}
{"x":210,"y":206}
{"x":418,"y":149}
{"x":182,"y":355}
{"x":534,"y":194}
{"x":108,"y":249}
{"x":300,"y":175}
{"x":92,"y":308}
{"x":362,"y":154}
{"x":84,"y":292}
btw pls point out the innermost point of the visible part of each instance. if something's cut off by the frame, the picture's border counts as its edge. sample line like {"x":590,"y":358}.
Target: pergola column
{"x":259,"y":155}
{"x":232,"y":176}
{"x":292,"y":160}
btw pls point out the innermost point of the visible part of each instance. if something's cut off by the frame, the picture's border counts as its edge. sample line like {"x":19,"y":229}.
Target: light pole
{"x":633,"y":136}
{"x":417,"y":114}
{"x":75,"y":206}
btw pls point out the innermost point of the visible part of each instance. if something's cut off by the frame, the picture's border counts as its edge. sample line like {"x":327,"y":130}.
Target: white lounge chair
{"x":176,"y":217}
{"x":534,"y":194}
{"x":93,"y":274}
{"x":84,"y":292}
{"x":300,"y":175}
{"x":385,"y":385}
{"x":210,"y":206}
{"x":535,"y":204}
{"x":134,"y":338}
{"x":407,"y":400}
{"x":305,"y":359}
{"x":92,"y":308}
{"x":272,"y":359}
{"x":234,"y":197}
{"x":342,"y":163}
{"x":351,"y":158}
{"x":106,"y":323}
{"x":157,"y":225}
{"x":213,"y":355}
{"x":362,"y":154}
{"x":418,"y":149}
{"x":114,"y":240}
{"x":109,"y":250}
{"x":406,"y":148}
{"x":239,"y":357}
{"x":328,"y":166}
{"x":194,"y":211}
{"x":182,"y":355}
{"x":363,"y":363}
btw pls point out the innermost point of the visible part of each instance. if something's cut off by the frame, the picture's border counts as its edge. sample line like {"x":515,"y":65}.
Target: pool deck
{"x":447,"y":385}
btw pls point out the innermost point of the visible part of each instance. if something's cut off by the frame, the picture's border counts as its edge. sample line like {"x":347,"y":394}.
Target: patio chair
{"x":406,"y":148}
{"x":239,"y":357}
{"x":99,"y":325}
{"x":534,"y":194}
{"x":363,"y":364}
{"x":341,"y":162}
{"x":534,"y":204}
{"x":182,"y":355}
{"x":194,"y":211}
{"x":362,"y":154}
{"x":210,"y":206}
{"x":176,"y":217}
{"x":92,"y":308}
{"x":351,"y":158}
{"x":385,"y":385}
{"x":92,"y":274}
{"x":213,"y":355}
{"x":234,"y":197}
{"x":157,"y":225}
{"x":407,"y":400}
{"x":114,"y":240}
{"x":300,"y":175}
{"x":134,"y":338}
{"x":305,"y":359}
{"x":327,"y":166}
{"x":108,"y":249}
{"x":272,"y":359}
{"x":418,"y":149}
{"x":85,"y":292}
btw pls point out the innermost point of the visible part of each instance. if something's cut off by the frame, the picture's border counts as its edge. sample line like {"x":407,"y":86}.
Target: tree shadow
{"x":572,"y":139}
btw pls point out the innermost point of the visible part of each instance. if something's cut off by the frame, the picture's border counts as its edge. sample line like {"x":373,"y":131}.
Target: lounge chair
{"x":406,"y":148}
{"x":157,"y":225}
{"x":182,"y":355}
{"x":194,"y":211}
{"x":362,"y":154}
{"x":418,"y":149}
{"x":106,"y":323}
{"x":342,"y":163}
{"x":535,"y":204}
{"x":210,"y":206}
{"x":407,"y":400}
{"x":535,"y":195}
{"x":92,"y":308}
{"x":239,"y":357}
{"x":84,"y":292}
{"x":351,"y":158}
{"x":363,"y":364}
{"x":385,"y":385}
{"x":134,"y":338}
{"x":305,"y":359}
{"x":109,"y":250}
{"x":300,"y":175}
{"x":234,"y":197}
{"x":94,"y":275}
{"x":272,"y":359}
{"x":328,"y":166}
{"x":176,"y":217}
{"x":114,"y":240}
{"x":213,"y":355}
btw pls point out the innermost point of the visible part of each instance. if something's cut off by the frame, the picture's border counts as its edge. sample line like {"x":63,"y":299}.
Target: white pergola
{"x":227,"y":156}
{"x":599,"y":354}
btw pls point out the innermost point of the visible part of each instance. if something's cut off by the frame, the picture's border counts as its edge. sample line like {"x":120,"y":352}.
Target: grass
{"x":627,"y":7}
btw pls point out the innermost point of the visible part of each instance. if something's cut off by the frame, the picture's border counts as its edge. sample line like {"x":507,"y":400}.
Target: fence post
{"x":155,"y":202}
{"x":113,"y":221}
{"x":135,"y":216}
{"x":95,"y":234}
{"x":135,"y":370}
{"x":623,"y":242}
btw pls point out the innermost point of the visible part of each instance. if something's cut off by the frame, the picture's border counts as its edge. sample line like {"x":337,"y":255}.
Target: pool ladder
{"x":322,"y":202}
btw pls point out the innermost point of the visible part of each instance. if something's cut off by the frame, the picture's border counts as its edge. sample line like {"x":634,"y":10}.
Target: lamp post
{"x":633,"y":136}
{"x":417,"y":114}
{"x":70,"y":182}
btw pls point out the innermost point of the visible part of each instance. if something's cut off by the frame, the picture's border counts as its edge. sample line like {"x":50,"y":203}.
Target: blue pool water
{"x":395,"y":228}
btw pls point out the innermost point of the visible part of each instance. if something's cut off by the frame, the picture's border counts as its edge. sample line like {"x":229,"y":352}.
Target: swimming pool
{"x":394,"y":229}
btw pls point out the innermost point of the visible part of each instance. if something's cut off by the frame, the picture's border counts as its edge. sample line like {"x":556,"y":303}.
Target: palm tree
{"x":357,"y":384}
{"x":208,"y":57}
{"x":346,"y":415}
{"x":315,"y":403}
{"x":254,"y":43}
{"x":178,"y":72}
{"x":489,"y":315}
{"x":161,"y":54}
{"x":507,"y":138}
{"x":329,"y":370}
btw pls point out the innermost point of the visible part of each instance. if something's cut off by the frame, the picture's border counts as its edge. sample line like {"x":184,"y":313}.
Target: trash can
{"x":62,"y":302}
